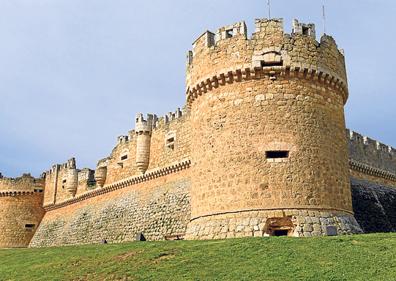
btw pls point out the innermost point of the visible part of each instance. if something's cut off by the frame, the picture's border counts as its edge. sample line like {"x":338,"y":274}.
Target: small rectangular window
{"x":124,"y":157}
{"x":170,"y":140}
{"x":279,"y":154}
{"x":29,"y":226}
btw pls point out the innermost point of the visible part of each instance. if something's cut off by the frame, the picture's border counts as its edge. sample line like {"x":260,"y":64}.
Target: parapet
{"x":122,"y":139}
{"x":230,"y":31}
{"x":231,"y":56}
{"x":70,"y":164}
{"x":173,"y":116}
{"x":371,"y":152}
{"x":304,"y":29}
{"x":145,"y":125}
{"x":25,"y":184}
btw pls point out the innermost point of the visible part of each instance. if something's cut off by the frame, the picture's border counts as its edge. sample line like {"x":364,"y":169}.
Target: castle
{"x":259,"y":149}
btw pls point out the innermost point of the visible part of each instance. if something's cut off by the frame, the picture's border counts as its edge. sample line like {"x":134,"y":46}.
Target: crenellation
{"x":304,"y":29}
{"x":236,"y":30}
{"x":371,"y":152}
{"x":145,"y":125}
{"x":173,"y":115}
{"x":269,"y":54}
{"x":25,"y":183}
{"x":21,"y":201}
{"x":122,"y":139}
{"x":269,"y":26}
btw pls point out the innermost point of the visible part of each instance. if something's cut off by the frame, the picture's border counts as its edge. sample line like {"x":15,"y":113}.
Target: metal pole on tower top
{"x":324,"y":18}
{"x":269,"y":8}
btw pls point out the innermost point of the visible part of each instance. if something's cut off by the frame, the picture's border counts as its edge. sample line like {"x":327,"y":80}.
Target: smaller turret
{"x":101,"y":172}
{"x":71,"y":177}
{"x":143,"y":132}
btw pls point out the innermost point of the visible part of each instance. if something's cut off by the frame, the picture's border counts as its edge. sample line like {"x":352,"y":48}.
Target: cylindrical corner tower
{"x":268,"y":131}
{"x":21,"y":210}
{"x":143,"y":141}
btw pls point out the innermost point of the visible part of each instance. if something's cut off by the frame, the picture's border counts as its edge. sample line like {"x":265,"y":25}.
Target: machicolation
{"x":259,"y":149}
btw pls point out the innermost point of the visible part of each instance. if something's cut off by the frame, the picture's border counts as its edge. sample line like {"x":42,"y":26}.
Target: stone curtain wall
{"x":374,"y":206}
{"x":157,"y":209}
{"x":371,"y":152}
{"x":371,"y":160}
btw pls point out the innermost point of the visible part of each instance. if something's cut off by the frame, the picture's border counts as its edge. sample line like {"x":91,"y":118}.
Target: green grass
{"x":360,"y":257}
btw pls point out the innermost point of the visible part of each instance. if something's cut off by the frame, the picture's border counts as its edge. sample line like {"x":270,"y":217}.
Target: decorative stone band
{"x":248,"y":73}
{"x":13,"y":193}
{"x":149,"y":175}
{"x":303,"y":208}
{"x":366,"y":169}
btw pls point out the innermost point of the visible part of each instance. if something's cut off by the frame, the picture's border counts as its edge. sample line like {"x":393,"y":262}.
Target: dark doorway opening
{"x":281,"y":232}
{"x":279,"y":226}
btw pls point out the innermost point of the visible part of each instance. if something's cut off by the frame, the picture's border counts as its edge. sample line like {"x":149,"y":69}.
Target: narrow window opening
{"x":229,"y":33}
{"x":272,"y":63}
{"x":124,"y":157}
{"x":279,"y":154}
{"x":64,"y":184}
{"x":170,"y":143}
{"x":170,"y":140}
{"x":29,"y":226}
{"x":305,"y":30}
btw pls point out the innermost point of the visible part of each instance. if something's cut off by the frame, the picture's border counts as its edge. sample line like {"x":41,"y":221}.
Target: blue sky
{"x":73,"y":73}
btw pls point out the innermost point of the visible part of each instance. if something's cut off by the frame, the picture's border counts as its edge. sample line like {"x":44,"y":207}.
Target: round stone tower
{"x":21,"y":210}
{"x":270,"y":153}
{"x":143,"y":131}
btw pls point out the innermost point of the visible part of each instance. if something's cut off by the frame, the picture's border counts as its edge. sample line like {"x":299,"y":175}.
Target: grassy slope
{"x":364,"y":257}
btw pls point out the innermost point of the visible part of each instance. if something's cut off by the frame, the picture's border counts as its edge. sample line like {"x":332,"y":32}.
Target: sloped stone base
{"x":269,"y":223}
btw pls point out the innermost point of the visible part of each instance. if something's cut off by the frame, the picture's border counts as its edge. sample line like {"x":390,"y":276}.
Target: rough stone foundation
{"x":256,"y":223}
{"x":156,"y":212}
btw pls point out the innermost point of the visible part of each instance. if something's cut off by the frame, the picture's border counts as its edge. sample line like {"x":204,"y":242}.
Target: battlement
{"x":229,"y":56}
{"x":123,"y":139}
{"x":238,"y":29}
{"x":69,"y":164}
{"x":25,"y":184}
{"x":371,"y":152}
{"x":145,"y":125}
{"x":304,"y":29}
{"x":266,"y":29}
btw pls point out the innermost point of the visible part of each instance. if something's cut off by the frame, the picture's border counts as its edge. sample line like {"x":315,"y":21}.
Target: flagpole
{"x":324,"y":19}
{"x":269,"y":8}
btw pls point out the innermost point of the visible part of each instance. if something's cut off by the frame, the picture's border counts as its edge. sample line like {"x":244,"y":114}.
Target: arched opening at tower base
{"x":279,"y":226}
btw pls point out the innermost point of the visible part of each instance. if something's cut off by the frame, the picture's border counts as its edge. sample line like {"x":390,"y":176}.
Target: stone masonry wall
{"x":157,"y":208}
{"x":371,"y":160}
{"x":374,"y":206}
{"x":250,"y":98}
{"x":371,"y":152}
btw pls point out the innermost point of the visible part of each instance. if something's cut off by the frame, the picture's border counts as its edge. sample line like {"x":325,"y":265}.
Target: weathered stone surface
{"x":21,"y":210}
{"x":156,"y":212}
{"x":374,"y":206}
